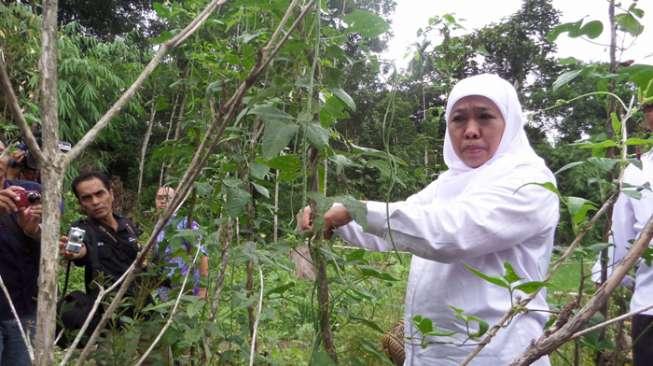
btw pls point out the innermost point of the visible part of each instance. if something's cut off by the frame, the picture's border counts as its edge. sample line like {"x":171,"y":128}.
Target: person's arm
{"x":489,"y":220}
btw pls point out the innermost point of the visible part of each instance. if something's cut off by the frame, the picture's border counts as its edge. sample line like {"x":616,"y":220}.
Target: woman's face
{"x":475,"y":127}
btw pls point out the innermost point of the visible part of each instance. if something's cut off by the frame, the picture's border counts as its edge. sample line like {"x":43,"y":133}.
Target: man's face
{"x":163,"y":196}
{"x":95,"y":199}
{"x":475,"y":127}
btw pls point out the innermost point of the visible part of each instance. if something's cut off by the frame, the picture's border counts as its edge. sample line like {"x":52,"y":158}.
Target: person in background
{"x":481,"y":213}
{"x":164,"y":250}
{"x":629,"y":216}
{"x":20,"y":250}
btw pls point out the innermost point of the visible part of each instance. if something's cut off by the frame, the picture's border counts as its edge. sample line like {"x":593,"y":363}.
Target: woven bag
{"x":393,"y":343}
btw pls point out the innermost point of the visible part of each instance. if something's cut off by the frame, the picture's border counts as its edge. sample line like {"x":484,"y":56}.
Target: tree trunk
{"x":52,"y":177}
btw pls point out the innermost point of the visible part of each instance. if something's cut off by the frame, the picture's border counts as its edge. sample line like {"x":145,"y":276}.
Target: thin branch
{"x":23,"y":335}
{"x":146,"y":141}
{"x":19,"y":117}
{"x":610,"y":321}
{"x":258,"y":318}
{"x":224,"y":255}
{"x":546,"y":344}
{"x":90,"y":136}
{"x":173,"y":311}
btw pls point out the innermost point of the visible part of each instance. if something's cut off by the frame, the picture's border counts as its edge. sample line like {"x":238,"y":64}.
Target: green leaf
{"x":605,"y":164}
{"x":578,"y":208}
{"x":368,"y":323}
{"x":237,"y":198}
{"x":573,"y":164}
{"x":510,"y":275}
{"x":546,"y":185}
{"x":343,"y":96}
{"x":572,"y":28}
{"x":258,"y":170}
{"x":628,"y":23}
{"x":566,"y":78}
{"x":366,"y":23}
{"x":634,"y":141}
{"x":616,"y":124}
{"x":280,"y":289}
{"x":289,"y":166}
{"x":371,"y":272}
{"x":268,"y":112}
{"x":635,"y":191}
{"x":592,"y":29}
{"x":260,"y":189}
{"x":317,"y":135}
{"x":424,"y":325}
{"x":640,"y":74}
{"x":530,"y":287}
{"x":341,"y":162}
{"x":499,"y":281}
{"x":276,"y":137}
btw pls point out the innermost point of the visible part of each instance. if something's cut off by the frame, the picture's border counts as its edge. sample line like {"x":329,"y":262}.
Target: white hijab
{"x":514,"y":148}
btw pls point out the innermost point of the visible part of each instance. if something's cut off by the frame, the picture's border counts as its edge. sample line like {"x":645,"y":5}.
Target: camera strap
{"x":65,"y":283}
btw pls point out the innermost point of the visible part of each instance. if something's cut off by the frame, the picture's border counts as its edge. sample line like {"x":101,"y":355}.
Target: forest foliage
{"x":376,"y":133}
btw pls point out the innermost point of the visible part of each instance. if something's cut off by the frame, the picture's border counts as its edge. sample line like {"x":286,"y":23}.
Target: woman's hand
{"x":336,"y":216}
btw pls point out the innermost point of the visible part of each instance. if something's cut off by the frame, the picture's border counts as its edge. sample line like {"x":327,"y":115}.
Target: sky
{"x":413,"y":14}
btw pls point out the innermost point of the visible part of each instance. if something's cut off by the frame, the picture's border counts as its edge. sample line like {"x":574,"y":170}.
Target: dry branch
{"x":252,"y":351}
{"x":546,"y":344}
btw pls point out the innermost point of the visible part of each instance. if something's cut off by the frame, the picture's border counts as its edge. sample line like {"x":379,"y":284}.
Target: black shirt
{"x":19,"y":268}
{"x":109,"y":252}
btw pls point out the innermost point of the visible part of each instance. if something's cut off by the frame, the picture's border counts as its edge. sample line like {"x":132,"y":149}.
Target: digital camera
{"x":75,"y":239}
{"x":26,"y":198}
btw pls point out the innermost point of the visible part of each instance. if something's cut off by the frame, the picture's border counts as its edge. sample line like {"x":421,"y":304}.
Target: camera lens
{"x":33,"y":196}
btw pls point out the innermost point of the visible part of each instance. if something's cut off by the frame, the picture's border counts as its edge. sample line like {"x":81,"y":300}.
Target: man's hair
{"x":88,"y":176}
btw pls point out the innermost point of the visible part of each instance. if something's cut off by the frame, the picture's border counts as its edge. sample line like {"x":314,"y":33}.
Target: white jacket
{"x":482,"y":218}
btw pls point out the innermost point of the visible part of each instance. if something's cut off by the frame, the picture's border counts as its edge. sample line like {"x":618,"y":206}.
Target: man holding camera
{"x":20,"y":251}
{"x":109,"y":241}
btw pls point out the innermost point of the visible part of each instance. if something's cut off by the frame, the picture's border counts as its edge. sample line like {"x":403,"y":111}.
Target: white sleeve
{"x":354,"y":234}
{"x":491,"y":219}
{"x":623,"y":232}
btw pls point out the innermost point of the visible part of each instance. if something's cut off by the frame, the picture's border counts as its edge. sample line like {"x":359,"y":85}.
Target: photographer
{"x":109,"y":245}
{"x":110,"y":241}
{"x":20,"y":250}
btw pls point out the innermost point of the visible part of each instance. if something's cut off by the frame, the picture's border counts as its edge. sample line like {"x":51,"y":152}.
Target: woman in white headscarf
{"x":482,"y":213}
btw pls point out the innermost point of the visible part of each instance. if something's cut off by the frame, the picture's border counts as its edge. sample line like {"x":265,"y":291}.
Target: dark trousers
{"x":12,"y":347}
{"x":642,"y":334}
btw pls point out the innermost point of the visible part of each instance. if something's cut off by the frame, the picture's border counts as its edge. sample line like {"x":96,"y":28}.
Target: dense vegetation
{"x":326,"y":118}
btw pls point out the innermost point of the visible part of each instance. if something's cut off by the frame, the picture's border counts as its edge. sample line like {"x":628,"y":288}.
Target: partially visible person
{"x":20,"y":251}
{"x":481,"y":213}
{"x":629,"y":216}
{"x":164,"y":250}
